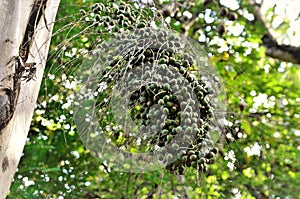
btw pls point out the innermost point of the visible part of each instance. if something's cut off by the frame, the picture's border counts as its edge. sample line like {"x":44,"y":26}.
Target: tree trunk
{"x":25,"y":33}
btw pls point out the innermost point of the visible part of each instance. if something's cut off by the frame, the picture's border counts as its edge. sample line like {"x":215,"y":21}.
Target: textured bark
{"x":15,"y":18}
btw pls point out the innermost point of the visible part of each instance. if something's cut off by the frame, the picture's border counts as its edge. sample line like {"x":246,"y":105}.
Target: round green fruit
{"x":175,"y":146}
{"x":169,"y":138}
{"x":165,"y":132}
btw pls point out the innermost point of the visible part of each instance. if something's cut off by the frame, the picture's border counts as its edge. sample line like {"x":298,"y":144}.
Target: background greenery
{"x":261,"y":160}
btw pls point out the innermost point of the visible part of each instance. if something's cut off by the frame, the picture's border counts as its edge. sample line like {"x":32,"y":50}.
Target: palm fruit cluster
{"x":172,"y":108}
{"x":117,"y":16}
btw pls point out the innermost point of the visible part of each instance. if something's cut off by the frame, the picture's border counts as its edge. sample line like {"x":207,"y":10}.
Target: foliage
{"x":259,"y":147}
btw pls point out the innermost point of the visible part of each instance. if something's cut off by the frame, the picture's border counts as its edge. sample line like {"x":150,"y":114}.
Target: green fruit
{"x":172,"y":61}
{"x":201,"y":160}
{"x":163,"y":61}
{"x":153,"y":127}
{"x":210,"y":142}
{"x":189,"y":109}
{"x":161,"y":34}
{"x":165,"y":132}
{"x":169,"y":122}
{"x":184,"y":90}
{"x":141,"y":25}
{"x":182,"y":152}
{"x":185,"y":64}
{"x":166,"y":111}
{"x":189,"y":130}
{"x":175,"y":146}
{"x":194,"y":125}
{"x":196,"y":131}
{"x":161,"y":102}
{"x":169,"y":157}
{"x":191,"y":152}
{"x":188,"y":122}
{"x":166,"y":86}
{"x":179,"y":129}
{"x":147,"y":74}
{"x":194,"y":120}
{"x":169,"y":104}
{"x":182,"y":70}
{"x":175,"y":87}
{"x":166,"y":79}
{"x":173,"y":132}
{"x":173,"y":109}
{"x":179,"y":81}
{"x":183,"y":105}
{"x":166,"y":98}
{"x":169,"y":138}
{"x":192,"y":103}
{"x":171,"y":127}
{"x":177,"y":44}
{"x":193,"y":157}
{"x":179,"y":114}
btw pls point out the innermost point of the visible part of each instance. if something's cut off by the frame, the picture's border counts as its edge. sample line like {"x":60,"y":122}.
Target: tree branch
{"x":257,"y":194}
{"x":153,"y":191}
{"x":282,"y":52}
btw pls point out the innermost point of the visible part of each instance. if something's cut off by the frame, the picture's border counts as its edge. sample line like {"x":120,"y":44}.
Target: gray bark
{"x":18,"y":98}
